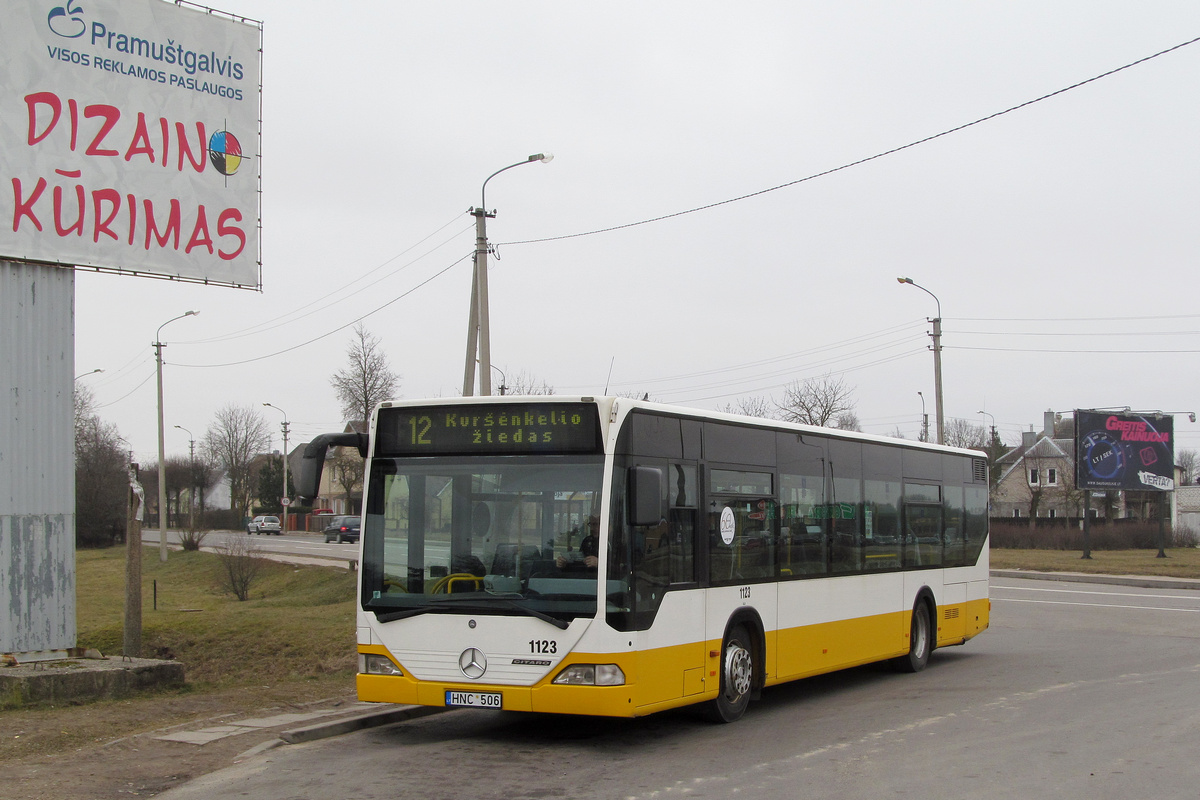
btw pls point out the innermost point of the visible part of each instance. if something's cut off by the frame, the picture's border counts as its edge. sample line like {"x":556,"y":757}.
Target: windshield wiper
{"x":473,"y":603}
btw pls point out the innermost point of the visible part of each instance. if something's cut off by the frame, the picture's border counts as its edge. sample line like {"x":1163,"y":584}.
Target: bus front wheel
{"x":920,"y":641}
{"x":737,"y":676}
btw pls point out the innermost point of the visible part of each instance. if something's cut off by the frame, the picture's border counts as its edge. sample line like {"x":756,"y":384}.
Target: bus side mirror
{"x":645,"y":495}
{"x":312,"y":462}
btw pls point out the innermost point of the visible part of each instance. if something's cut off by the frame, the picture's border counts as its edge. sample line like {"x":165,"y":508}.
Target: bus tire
{"x":737,"y":676}
{"x":920,"y":640}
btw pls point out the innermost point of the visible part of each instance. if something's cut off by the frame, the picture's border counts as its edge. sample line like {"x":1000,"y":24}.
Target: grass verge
{"x":1183,"y":562}
{"x":292,"y":643}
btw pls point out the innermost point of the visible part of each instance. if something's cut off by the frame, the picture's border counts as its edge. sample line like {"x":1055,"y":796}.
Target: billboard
{"x":1125,"y":452}
{"x":129,"y":138}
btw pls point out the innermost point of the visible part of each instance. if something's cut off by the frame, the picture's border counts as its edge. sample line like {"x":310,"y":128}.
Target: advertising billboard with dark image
{"x":1124,"y":451}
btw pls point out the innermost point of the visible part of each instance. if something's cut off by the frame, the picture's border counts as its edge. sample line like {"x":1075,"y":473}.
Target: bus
{"x":616,"y":557}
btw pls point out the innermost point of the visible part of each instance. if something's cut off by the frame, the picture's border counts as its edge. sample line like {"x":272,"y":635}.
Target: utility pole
{"x":284,"y":500}
{"x":191,"y":479}
{"x":162,"y":467}
{"x":937,"y":359}
{"x":131,"y":644}
{"x":479,"y":337}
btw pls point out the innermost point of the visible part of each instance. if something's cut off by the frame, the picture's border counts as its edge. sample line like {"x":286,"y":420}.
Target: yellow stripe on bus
{"x":668,"y":677}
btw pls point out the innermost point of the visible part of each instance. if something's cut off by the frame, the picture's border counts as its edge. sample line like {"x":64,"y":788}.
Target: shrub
{"x":192,"y":539}
{"x":1054,"y":535}
{"x":240,"y":565}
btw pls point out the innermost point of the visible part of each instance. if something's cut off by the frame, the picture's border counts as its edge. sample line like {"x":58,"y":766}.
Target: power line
{"x":1071,"y":319}
{"x":1083,"y":352}
{"x":865,"y":160}
{"x":1090,"y":334}
{"x":153,"y":372}
{"x":887,"y":360}
{"x":293,"y":315}
{"x":773,"y":360}
{"x":337,"y":329}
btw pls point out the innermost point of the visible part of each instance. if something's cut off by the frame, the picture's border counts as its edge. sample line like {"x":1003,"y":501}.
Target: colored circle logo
{"x":225,"y":152}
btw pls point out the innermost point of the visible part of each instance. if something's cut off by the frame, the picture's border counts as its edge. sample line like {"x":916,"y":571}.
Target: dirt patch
{"x":108,"y":750}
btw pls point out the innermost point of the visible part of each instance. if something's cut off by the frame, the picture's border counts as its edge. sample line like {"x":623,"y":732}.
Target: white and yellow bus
{"x":599,"y":555}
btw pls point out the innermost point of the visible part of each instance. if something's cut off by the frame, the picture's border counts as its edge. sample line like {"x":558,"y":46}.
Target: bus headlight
{"x":371,"y":664}
{"x":591,"y":675}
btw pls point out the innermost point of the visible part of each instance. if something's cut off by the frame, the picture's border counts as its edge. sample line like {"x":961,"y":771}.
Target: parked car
{"x":342,"y":529}
{"x":264,"y":525}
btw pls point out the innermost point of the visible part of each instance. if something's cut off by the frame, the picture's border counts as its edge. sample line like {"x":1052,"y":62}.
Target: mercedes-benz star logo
{"x":473,"y":663}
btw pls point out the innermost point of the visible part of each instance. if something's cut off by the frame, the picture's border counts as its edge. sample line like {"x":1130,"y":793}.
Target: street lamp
{"x":503,"y":379}
{"x":993,"y":423}
{"x":192,"y":478}
{"x":924,"y":419}
{"x":284,"y":499}
{"x":479,"y":341}
{"x":937,"y":359}
{"x":93,"y":372}
{"x":162,"y":470}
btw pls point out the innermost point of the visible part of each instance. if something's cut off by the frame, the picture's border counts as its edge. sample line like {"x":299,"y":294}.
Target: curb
{"x":372,"y":719}
{"x":1140,"y":581}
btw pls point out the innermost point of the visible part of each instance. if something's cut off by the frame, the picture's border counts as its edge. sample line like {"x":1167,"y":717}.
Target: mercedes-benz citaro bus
{"x":606,"y":556}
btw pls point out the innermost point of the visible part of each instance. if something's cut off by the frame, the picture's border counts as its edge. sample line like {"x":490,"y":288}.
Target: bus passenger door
{"x":743,"y":558}
{"x":671,"y":648}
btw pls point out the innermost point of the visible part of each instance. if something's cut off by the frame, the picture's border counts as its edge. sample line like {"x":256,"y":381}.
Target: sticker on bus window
{"x":728,"y":525}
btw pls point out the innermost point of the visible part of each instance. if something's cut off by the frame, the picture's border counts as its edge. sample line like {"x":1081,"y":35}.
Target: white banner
{"x":129,"y":138}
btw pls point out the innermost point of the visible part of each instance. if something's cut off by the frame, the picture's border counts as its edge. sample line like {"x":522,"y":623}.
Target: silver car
{"x":264,"y":525}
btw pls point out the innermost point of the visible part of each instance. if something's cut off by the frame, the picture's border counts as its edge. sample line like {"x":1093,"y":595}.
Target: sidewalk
{"x":298,"y":727}
{"x":1140,"y":581}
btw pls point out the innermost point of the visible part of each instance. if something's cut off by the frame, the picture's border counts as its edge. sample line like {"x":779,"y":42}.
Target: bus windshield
{"x":501,"y":534}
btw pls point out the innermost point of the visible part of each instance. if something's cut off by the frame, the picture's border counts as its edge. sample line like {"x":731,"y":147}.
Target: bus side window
{"x":665,"y":553}
{"x":681,"y":540}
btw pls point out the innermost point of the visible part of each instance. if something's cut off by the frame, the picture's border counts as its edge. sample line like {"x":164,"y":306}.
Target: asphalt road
{"x":292,"y":544}
{"x":1077,"y":691}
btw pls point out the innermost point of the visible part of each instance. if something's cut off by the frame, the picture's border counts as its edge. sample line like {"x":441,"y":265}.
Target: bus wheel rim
{"x":738,"y":668}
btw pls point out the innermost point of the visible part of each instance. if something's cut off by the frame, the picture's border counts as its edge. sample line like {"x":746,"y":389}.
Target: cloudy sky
{"x":1060,"y":238}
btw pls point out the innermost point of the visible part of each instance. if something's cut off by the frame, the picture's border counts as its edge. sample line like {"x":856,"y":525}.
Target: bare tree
{"x":204,"y":475}
{"x":817,"y":401}
{"x":1186,"y":459}
{"x":101,"y":476}
{"x":237,"y":435}
{"x":366,"y":380}
{"x":525,"y":383}
{"x":761,"y":407}
{"x":347,"y":470}
{"x":178,"y":472}
{"x":961,"y":433}
{"x":848,"y":421}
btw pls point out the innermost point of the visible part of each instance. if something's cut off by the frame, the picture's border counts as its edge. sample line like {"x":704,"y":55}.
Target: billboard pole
{"x":1087,"y":542}
{"x":1162,"y":524}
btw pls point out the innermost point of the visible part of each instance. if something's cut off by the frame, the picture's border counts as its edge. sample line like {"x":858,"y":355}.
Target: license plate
{"x":473,"y":699}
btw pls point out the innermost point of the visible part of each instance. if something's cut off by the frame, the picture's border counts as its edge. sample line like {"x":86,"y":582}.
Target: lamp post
{"x":937,"y":359}
{"x":479,"y":342}
{"x":191,"y":477}
{"x":162,"y":471}
{"x":92,"y":372}
{"x":284,"y":499}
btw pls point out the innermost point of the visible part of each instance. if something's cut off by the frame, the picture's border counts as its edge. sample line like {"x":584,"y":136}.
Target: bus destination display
{"x":489,"y":429}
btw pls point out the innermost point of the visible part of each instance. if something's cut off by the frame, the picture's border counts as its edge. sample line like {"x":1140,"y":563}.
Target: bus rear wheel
{"x":920,"y":641}
{"x":737,"y":676}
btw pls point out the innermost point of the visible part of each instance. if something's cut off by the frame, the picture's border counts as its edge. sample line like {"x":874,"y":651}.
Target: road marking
{"x":1106,"y":594}
{"x":1094,"y":605}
